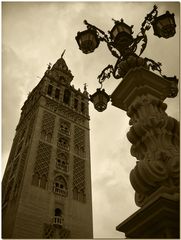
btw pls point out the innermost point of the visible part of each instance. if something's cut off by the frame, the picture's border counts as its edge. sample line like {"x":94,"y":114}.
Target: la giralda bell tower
{"x":47,"y":182}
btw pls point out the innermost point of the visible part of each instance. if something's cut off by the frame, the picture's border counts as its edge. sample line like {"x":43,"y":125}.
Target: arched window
{"x":35,"y":179}
{"x":60,"y":186}
{"x":65,"y":128}
{"x":66,"y":97}
{"x":50,"y":89}
{"x":62,"y":162}
{"x":43,"y":182}
{"x":58,"y":212}
{"x":57,"y":93}
{"x":82,"y":107}
{"x":76,"y":103}
{"x":63,"y":142}
{"x":58,"y":218}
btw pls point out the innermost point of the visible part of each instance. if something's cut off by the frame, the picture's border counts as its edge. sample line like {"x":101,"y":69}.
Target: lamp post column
{"x":155,"y":144}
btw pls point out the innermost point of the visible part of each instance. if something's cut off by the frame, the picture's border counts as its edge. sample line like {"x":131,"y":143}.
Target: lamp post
{"x":123,"y":46}
{"x":153,"y":134}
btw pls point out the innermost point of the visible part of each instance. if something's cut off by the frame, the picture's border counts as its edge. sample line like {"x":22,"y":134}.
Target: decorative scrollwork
{"x":106,"y":73}
{"x":155,"y":143}
{"x":101,"y":34}
{"x":145,"y":26}
{"x":155,"y":66}
{"x":128,"y":51}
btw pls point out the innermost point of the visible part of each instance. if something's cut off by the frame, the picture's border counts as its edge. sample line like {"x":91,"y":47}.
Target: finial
{"x":85,"y":86}
{"x":117,"y":21}
{"x":63,"y":53}
{"x":49,"y":66}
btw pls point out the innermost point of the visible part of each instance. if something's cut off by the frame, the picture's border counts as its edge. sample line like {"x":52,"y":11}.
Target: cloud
{"x":12,"y":93}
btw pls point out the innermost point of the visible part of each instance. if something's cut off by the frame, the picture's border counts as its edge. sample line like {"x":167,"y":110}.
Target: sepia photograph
{"x":90,"y":120}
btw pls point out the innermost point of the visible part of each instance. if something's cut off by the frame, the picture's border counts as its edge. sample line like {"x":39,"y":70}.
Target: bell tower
{"x":47,"y":181}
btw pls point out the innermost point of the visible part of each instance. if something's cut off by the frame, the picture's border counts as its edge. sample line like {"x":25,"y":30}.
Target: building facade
{"x":46,"y":188}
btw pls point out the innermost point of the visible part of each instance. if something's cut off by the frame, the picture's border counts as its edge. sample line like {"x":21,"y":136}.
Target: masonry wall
{"x":53,"y":129}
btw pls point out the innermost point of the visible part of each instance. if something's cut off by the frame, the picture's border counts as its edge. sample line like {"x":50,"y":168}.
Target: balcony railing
{"x":57,"y":220}
{"x":62,"y":192}
{"x":64,"y":131}
{"x":62,"y":166}
{"x":63,"y":145}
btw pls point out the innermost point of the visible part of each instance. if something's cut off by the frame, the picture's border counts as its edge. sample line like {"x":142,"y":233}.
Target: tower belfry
{"x":47,"y":181}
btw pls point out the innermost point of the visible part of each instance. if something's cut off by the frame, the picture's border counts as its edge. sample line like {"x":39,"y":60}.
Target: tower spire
{"x":63,"y":53}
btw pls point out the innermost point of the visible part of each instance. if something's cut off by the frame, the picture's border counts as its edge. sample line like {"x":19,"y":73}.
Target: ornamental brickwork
{"x":47,"y":182}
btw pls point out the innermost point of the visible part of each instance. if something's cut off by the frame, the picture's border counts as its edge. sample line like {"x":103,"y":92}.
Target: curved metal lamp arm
{"x":113,"y":51}
{"x":103,"y":37}
{"x":149,"y":18}
{"x":115,"y":75}
{"x":155,"y":66}
{"x":145,"y":26}
{"x":107,"y":71}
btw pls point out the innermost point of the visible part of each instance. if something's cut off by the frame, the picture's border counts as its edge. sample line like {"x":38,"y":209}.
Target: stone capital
{"x":140,"y":81}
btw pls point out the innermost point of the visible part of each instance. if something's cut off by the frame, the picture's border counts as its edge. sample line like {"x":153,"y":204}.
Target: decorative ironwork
{"x":123,"y":46}
{"x":100,"y":99}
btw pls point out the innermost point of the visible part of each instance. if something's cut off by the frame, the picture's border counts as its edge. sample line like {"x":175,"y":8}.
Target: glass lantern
{"x":87,"y":40}
{"x":164,"y":25}
{"x":100,"y":100}
{"x":121,"y":34}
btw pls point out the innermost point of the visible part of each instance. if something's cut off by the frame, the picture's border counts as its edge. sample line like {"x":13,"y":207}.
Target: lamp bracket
{"x":124,"y":56}
{"x":155,"y":66}
{"x":145,"y":26}
{"x":104,"y":38}
{"x":106,"y":73}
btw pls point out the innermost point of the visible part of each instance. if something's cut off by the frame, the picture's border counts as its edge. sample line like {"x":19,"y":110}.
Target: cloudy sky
{"x":34,"y":34}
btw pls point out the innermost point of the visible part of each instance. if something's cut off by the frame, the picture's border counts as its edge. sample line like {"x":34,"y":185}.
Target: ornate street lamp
{"x":87,"y":40}
{"x":100,"y":99}
{"x":121,"y":35}
{"x":123,"y":46}
{"x":164,"y":25}
{"x":153,"y":134}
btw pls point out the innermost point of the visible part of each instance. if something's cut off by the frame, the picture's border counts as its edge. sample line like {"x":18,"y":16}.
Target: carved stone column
{"x":155,"y":144}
